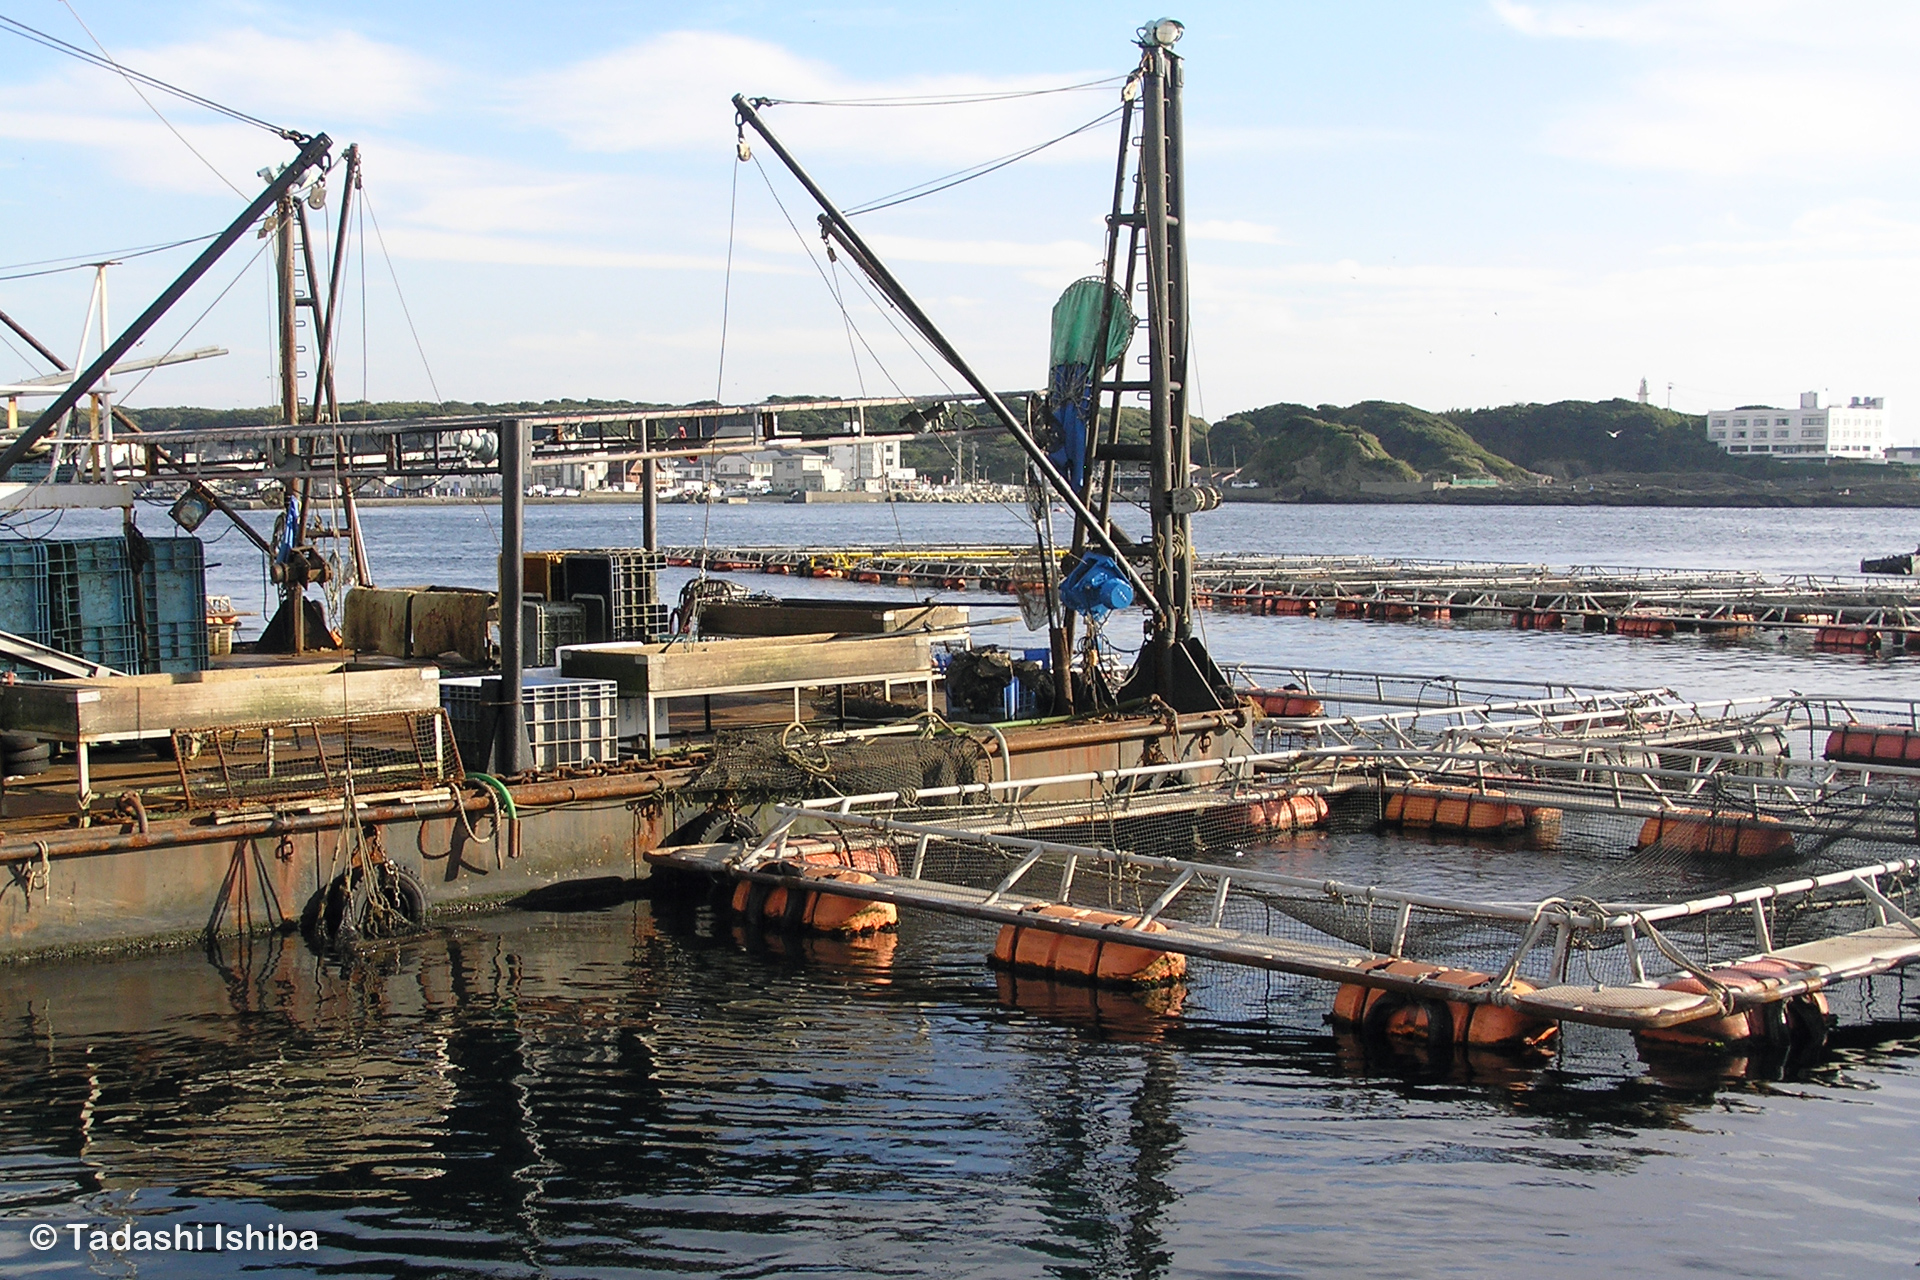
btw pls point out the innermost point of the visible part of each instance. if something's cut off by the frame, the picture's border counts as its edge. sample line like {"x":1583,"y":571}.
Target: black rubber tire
{"x":26,"y":755}
{"x":1806,"y":1025}
{"x":25,"y":768}
{"x":321,"y":920}
{"x":15,"y":743}
{"x":1439,"y":1020}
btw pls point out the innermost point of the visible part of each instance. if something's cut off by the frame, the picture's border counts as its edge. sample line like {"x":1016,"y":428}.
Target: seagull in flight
{"x":1614,"y":435}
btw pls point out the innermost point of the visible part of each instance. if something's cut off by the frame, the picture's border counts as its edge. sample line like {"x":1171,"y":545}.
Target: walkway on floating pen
{"x":1840,"y":611}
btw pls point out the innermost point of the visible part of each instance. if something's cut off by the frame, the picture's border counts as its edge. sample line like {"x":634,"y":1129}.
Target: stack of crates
{"x":629,"y":581}
{"x":545,"y":626}
{"x":82,"y":596}
{"x":23,"y":600}
{"x":174,"y":587}
{"x":569,"y":722}
{"x":90,"y":598}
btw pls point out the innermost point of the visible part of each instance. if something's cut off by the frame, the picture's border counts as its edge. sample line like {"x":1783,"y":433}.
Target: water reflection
{"x":615,"y":1091}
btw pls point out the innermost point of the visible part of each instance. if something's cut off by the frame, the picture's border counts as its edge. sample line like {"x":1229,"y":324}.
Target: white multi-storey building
{"x":1856,"y":430}
{"x":871,"y":465}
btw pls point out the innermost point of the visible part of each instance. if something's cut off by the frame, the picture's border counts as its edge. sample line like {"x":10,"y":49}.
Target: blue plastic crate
{"x":90,"y":594}
{"x":24,"y":609}
{"x":174,"y":587}
{"x":116,"y":647}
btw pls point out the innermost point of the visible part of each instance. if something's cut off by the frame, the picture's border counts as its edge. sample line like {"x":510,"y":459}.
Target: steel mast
{"x":1173,"y":664}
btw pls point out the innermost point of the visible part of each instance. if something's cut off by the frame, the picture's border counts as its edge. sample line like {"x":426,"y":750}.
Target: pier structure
{"x":1842,"y":611}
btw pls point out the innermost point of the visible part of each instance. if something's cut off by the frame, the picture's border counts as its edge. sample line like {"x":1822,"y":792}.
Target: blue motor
{"x":1096,"y":587}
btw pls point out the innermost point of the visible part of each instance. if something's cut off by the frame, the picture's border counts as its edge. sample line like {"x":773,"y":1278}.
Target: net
{"x":401,"y":751}
{"x":796,"y":764}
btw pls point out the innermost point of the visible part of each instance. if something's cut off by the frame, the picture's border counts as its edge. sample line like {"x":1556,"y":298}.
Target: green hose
{"x":500,"y":791}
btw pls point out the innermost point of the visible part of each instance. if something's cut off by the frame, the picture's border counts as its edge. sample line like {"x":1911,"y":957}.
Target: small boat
{"x":1901,"y":564}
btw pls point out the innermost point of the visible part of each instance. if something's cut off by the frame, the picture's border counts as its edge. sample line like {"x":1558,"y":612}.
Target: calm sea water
{"x":622,"y":1092}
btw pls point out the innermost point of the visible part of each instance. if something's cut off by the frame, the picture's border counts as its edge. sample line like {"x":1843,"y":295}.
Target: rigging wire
{"x":811,"y":257}
{"x":934,"y":186}
{"x":808,"y":249}
{"x":726,"y":286}
{"x":360,"y":234}
{"x":134,"y":390}
{"x":404,"y":309}
{"x":939,"y":100}
{"x":133,"y":85}
{"x":152,"y":82}
{"x":77,"y":262}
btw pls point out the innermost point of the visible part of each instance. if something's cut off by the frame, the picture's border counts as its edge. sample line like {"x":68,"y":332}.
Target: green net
{"x":1076,"y":324}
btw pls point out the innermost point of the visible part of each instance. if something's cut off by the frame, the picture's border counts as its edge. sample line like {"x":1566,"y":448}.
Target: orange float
{"x":1288,"y":703}
{"x":1294,"y":812}
{"x":1644,"y":625}
{"x":1454,"y":809}
{"x":1078,"y":959}
{"x":1874,"y":744}
{"x":1800,"y":1021}
{"x":1847,"y":639}
{"x":1716,"y":835}
{"x":815,"y":911}
{"x":1434,"y":1017}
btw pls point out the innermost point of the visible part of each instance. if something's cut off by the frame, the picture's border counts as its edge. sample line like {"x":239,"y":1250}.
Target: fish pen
{"x":1480,"y":899}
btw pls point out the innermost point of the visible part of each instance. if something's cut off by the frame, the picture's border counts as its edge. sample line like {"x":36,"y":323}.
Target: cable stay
{"x":93,"y":59}
{"x":940,"y":99}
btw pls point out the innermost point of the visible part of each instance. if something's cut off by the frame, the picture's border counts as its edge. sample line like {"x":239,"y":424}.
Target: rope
{"x":381,"y":237}
{"x":726,"y":286}
{"x":100,"y":60}
{"x":91,"y":260}
{"x":940,"y":100}
{"x":949,"y":181}
{"x":134,"y":85}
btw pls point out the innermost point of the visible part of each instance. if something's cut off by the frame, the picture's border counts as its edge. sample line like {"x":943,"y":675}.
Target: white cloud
{"x":1725,"y":88}
{"x":1233,"y":232}
{"x":1734,"y":120}
{"x":1850,"y":227}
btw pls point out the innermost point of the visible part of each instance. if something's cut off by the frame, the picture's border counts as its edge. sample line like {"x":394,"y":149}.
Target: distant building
{"x":871,"y":465}
{"x":745,"y":468}
{"x":1857,"y":430}
{"x":801,"y":470}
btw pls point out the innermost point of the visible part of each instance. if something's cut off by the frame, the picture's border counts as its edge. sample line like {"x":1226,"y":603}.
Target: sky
{"x":1453,"y":203}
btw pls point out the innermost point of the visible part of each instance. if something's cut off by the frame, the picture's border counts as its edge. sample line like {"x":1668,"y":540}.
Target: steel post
{"x":1166,"y":530}
{"x":510,"y":747}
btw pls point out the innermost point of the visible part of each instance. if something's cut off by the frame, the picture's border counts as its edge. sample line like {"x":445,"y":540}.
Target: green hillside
{"x":1289,"y":446}
{"x":1575,"y":438}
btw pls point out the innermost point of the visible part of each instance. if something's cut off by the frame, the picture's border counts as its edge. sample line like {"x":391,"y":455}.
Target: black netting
{"x":795,"y":765}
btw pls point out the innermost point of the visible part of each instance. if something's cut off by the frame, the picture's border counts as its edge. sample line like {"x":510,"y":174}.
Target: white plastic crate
{"x":569,"y":722}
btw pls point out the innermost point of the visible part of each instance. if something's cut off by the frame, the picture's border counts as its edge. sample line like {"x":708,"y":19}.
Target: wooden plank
{"x":840,"y":617}
{"x":147,"y":706}
{"x":771,"y":661}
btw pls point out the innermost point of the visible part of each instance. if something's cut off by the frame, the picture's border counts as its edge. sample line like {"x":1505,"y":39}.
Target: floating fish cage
{"x":1698,"y":898}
